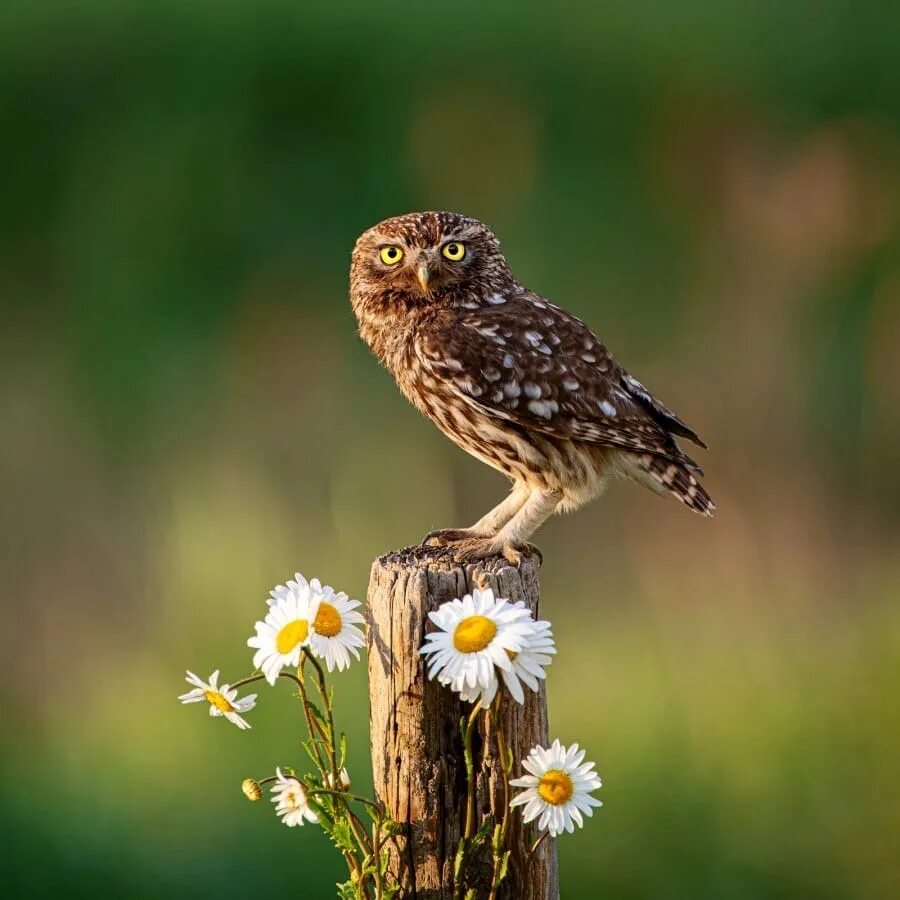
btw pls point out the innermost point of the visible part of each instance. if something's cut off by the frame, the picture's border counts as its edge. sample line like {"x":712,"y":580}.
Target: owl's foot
{"x":444,"y":536}
{"x":474,"y":549}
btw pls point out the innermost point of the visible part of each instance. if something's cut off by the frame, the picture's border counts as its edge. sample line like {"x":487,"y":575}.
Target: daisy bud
{"x":343,"y":777}
{"x":252,"y":790}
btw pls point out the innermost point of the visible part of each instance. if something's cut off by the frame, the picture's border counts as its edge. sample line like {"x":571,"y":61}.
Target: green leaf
{"x":460,"y":858}
{"x":482,"y":833}
{"x":343,"y":761}
{"x":342,"y":836}
{"x":501,"y":871}
{"x":316,"y":713}
{"x":392,"y":828}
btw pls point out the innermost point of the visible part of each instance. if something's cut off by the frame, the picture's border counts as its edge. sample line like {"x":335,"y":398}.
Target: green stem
{"x":344,"y":795}
{"x":376,"y":853}
{"x":499,"y":847}
{"x":329,"y":736}
{"x":312,"y":726}
{"x":248,"y":680}
{"x":470,"y":772}
{"x":539,"y":841}
{"x":469,"y":833}
{"x":329,"y":716}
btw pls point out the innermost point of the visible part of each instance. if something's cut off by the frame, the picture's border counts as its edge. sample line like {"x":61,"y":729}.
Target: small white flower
{"x":291,"y":803}
{"x":334,"y":633}
{"x":558,"y":786}
{"x":343,"y":781}
{"x":282,"y":635}
{"x":477,"y":636}
{"x":223,"y":701}
{"x":527,"y":665}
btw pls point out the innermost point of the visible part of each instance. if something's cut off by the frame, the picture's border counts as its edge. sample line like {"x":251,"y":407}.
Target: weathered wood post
{"x":417,"y":752}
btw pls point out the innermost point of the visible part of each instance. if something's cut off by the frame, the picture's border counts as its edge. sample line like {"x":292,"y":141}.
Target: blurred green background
{"x":187,"y":415}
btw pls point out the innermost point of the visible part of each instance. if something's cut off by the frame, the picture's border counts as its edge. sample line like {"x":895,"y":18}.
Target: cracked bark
{"x":417,"y":754}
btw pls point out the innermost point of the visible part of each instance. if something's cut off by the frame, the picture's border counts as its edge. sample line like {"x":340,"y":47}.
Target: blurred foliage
{"x":187,"y":416}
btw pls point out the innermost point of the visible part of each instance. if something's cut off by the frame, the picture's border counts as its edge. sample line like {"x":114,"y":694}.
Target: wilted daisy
{"x":477,"y":636}
{"x":285,"y":631}
{"x":334,"y":633}
{"x":557,"y":788}
{"x":527,"y":665}
{"x":291,"y":802}
{"x":223,"y":701}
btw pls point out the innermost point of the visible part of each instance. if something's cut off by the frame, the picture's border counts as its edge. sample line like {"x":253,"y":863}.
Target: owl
{"x":514,"y":380}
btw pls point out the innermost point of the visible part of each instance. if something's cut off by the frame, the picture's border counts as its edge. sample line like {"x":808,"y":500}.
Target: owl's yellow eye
{"x":454,"y":251}
{"x":390,"y":256}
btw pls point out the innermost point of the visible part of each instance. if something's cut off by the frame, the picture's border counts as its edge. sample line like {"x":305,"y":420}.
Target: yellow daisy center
{"x":328,"y":620}
{"x":291,"y":634}
{"x":474,"y":633}
{"x":218,"y":701}
{"x":555,"y":787}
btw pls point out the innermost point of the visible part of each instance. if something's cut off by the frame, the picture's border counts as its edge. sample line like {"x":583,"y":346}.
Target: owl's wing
{"x":532,"y":364}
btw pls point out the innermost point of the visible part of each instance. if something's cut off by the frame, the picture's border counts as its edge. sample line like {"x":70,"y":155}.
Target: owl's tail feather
{"x":666,"y":475}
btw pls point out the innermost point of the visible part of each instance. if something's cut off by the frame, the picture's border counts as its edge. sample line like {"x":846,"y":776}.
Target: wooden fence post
{"x":417,"y":754}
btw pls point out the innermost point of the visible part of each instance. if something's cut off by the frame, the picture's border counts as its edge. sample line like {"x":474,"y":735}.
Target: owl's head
{"x":426,"y":257}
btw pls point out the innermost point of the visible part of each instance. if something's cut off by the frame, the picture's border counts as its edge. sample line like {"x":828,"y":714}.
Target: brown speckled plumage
{"x":517,"y":382}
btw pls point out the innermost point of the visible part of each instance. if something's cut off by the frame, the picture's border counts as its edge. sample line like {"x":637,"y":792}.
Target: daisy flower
{"x":557,"y":788}
{"x":334,"y":633}
{"x":223,"y":701}
{"x":476,"y":636}
{"x":527,"y":665}
{"x":285,"y":631}
{"x":291,"y":802}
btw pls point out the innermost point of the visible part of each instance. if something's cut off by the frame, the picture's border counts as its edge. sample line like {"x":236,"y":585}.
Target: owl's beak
{"x":423,"y":273}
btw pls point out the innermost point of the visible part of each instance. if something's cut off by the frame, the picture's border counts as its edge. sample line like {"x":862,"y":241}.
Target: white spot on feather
{"x":532,"y":391}
{"x":496,"y":299}
{"x":541,"y":408}
{"x":607,"y":408}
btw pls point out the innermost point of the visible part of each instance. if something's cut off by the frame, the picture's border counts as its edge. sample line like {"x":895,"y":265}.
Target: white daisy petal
{"x":223,"y":701}
{"x":481,"y":637}
{"x":556,"y":790}
{"x":285,"y":631}
{"x":334,"y":633}
{"x":291,"y":802}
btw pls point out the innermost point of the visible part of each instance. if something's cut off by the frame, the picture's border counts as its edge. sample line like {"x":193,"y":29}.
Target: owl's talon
{"x":531,"y":550}
{"x":441,"y":537}
{"x":476,"y":549}
{"x":514,"y":553}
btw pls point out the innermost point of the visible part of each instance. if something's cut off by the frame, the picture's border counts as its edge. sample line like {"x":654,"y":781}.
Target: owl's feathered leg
{"x":511,"y":541}
{"x":488,"y":525}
